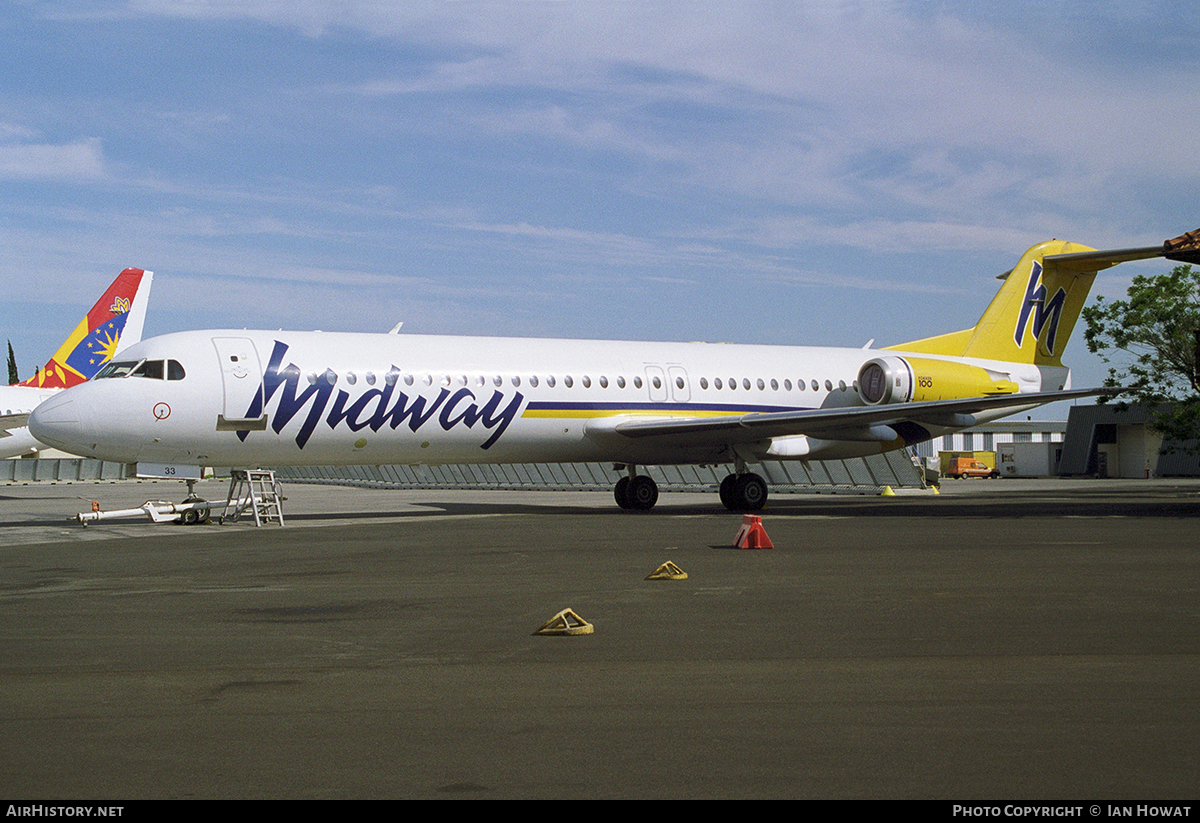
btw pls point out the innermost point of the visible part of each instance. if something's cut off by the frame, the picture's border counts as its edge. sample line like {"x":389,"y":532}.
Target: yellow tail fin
{"x":1032,"y":316}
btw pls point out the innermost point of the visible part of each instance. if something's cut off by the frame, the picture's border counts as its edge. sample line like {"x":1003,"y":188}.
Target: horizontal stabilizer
{"x":1184,"y":249}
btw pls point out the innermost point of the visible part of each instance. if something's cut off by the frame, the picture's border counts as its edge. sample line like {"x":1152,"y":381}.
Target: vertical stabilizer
{"x":115,"y":320}
{"x":1032,"y":316}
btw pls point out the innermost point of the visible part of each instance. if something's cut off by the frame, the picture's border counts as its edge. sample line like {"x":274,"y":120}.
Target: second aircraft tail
{"x":113,"y":323}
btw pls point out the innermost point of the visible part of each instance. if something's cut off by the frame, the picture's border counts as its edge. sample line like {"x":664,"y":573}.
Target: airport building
{"x":1111,"y":440}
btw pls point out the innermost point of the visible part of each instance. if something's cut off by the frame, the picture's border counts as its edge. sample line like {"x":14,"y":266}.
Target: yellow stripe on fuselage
{"x":586,"y":413}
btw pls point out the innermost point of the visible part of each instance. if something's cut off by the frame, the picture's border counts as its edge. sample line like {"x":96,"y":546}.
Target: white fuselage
{"x":21,"y":400}
{"x":342,"y":399}
{"x":16,"y":403}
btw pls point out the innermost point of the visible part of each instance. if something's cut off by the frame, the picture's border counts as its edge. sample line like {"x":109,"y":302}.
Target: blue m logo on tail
{"x":1045,"y":313}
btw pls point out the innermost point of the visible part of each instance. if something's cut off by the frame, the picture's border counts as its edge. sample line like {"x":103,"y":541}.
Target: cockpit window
{"x":149,"y":368}
{"x":117,"y":368}
{"x":152,"y":369}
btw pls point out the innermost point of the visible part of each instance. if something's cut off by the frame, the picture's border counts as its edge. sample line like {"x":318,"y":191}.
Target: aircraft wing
{"x":12,"y":421}
{"x":16,"y":441}
{"x":845,"y":423}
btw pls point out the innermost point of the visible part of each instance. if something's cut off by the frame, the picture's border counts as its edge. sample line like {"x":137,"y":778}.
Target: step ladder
{"x":253,"y":489}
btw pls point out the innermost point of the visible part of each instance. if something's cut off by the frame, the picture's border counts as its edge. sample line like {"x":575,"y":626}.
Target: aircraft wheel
{"x":750,"y":492}
{"x":726,"y":492}
{"x":643,"y":492}
{"x":621,"y":493}
{"x":193,"y":516}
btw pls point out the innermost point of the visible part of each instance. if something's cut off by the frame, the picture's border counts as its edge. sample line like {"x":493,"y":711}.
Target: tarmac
{"x":1005,"y":639}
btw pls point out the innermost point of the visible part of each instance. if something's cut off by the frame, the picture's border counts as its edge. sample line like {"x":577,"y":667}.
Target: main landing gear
{"x":636,"y":491}
{"x":745,"y":492}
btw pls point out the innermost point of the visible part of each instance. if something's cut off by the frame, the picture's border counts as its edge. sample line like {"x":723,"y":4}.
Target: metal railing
{"x":856,"y":476}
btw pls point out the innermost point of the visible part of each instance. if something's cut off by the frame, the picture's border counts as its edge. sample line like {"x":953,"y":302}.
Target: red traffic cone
{"x":752,"y":535}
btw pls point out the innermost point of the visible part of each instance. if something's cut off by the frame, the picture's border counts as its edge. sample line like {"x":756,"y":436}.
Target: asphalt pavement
{"x":1004,"y":639}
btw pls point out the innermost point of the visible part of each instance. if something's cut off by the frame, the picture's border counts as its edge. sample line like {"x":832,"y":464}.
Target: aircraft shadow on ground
{"x":1007,"y":507}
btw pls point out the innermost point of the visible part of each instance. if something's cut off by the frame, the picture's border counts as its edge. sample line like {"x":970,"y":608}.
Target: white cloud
{"x":83,"y":159}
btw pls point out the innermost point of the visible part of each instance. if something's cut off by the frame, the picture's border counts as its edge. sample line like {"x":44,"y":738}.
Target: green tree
{"x":1155,"y":336}
{"x":13,"y":375}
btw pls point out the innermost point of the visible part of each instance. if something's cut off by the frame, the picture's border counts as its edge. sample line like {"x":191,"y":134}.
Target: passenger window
{"x":717,"y":384}
{"x":637,"y":382}
{"x":704,"y":382}
{"x":620,"y":382}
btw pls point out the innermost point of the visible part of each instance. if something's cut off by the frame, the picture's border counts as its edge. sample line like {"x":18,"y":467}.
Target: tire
{"x":750,"y":492}
{"x":643,"y":492}
{"x":728,"y":500}
{"x":621,"y":493}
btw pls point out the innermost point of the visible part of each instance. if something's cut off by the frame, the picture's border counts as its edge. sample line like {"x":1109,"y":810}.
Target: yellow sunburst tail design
{"x":98,"y":336}
{"x":1032,"y":316}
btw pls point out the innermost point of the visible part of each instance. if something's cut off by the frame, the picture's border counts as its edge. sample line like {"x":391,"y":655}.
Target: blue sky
{"x":794,"y":173}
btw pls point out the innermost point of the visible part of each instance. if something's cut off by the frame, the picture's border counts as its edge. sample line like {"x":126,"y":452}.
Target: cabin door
{"x":241,"y":378}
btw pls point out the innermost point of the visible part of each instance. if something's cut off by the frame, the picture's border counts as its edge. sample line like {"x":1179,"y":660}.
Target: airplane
{"x":270,"y":398}
{"x":115,"y":322}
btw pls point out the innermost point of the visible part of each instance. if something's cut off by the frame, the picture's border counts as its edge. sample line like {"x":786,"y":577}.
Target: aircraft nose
{"x":56,"y":423}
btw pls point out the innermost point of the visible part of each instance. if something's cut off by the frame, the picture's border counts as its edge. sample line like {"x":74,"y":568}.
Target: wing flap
{"x":9,"y":422}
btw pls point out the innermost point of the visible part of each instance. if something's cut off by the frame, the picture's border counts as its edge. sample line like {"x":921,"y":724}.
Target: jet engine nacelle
{"x":894,"y":379}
